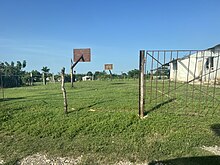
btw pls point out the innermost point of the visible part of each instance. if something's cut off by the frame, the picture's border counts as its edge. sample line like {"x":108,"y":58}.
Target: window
{"x":210,"y":63}
{"x":175,"y":65}
{"x":211,"y":60}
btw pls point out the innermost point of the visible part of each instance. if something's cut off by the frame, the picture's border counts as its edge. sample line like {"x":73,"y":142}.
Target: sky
{"x":45,"y":32}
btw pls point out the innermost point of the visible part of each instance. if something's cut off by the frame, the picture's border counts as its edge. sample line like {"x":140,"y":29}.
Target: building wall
{"x":189,"y":68}
{"x":87,"y":78}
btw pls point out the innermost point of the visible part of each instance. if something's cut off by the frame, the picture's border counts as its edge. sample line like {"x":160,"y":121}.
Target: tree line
{"x":13,"y":75}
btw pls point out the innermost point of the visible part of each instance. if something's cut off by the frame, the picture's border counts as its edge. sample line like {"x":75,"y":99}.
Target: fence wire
{"x":183,"y":81}
{"x":13,"y":81}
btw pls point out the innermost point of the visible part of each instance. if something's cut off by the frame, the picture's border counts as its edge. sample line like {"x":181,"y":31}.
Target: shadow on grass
{"x":118,"y":83}
{"x":203,"y":160}
{"x":158,"y":106}
{"x":9,"y":99}
{"x":90,"y":106}
{"x":216,"y":129}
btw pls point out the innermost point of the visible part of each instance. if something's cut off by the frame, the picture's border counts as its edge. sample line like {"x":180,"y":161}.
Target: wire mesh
{"x":183,"y":81}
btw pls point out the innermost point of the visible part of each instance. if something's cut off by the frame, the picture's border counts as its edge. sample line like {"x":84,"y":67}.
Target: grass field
{"x":102,"y":125}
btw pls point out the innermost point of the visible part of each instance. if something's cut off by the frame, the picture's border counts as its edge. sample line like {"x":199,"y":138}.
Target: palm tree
{"x":45,"y":69}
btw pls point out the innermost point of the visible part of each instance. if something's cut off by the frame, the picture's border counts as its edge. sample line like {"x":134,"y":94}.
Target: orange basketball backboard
{"x":108,"y":66}
{"x":78,"y":53}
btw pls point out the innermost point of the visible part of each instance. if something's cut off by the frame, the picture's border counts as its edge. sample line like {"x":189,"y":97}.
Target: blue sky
{"x":45,"y":32}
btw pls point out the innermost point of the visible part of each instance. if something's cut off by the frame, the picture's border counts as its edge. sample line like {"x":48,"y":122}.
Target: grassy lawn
{"x":102,"y":125}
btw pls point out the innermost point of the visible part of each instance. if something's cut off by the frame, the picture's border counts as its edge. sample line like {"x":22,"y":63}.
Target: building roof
{"x":214,"y":48}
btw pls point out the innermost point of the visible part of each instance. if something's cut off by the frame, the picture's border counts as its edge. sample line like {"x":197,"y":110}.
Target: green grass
{"x":102,"y":125}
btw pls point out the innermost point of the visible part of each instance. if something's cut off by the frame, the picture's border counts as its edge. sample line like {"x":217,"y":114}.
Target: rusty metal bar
{"x":158,"y":57}
{"x":195,"y":70}
{"x":216,"y":74}
{"x":175,"y":50}
{"x":207,"y":89}
{"x":195,"y":88}
{"x":201,"y":77}
{"x":177,"y":56}
{"x":169,"y":78}
{"x":145,"y":77}
{"x":187,"y":88}
{"x":151,"y":77}
{"x":164,"y":56}
{"x":171,"y":56}
{"x":194,"y":75}
{"x":153,"y":58}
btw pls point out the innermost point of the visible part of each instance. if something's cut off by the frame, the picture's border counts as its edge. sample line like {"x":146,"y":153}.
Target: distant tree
{"x":12,"y":64}
{"x":35,"y":73}
{"x":45,"y":69}
{"x":89,"y":73}
{"x":133,"y":73}
{"x":67,"y":78}
{"x":36,"y":76}
{"x":11,"y":74}
{"x":19,"y":66}
{"x":124,"y":75}
{"x":24,"y":64}
{"x":100,"y":75}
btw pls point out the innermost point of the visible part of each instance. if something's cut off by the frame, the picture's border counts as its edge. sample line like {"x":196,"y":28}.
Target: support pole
{"x":71,"y":73}
{"x":64,"y":90}
{"x":72,"y":66}
{"x":110,"y":74}
{"x":141,"y":84}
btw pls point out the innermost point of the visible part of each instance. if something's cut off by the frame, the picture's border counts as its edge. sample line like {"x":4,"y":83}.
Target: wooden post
{"x":63,"y":89}
{"x":141,"y":84}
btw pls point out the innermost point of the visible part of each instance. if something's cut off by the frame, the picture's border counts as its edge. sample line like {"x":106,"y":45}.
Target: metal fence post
{"x":141,"y":83}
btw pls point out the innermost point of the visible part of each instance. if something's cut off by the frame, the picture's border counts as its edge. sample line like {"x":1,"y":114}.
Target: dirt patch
{"x":40,"y":159}
{"x":215,"y":150}
{"x":2,"y":161}
{"x":129,"y":163}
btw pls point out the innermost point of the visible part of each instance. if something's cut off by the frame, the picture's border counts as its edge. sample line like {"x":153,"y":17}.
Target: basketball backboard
{"x":78,"y":53}
{"x":108,"y":66}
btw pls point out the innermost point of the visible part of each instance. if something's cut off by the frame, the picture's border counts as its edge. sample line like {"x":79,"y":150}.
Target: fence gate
{"x":179,"y":81}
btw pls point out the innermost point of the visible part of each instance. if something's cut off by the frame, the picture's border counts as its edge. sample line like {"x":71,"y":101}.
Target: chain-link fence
{"x":13,"y":81}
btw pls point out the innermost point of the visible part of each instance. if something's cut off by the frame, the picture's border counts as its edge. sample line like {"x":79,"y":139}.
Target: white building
{"x":200,"y":66}
{"x":87,"y":78}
